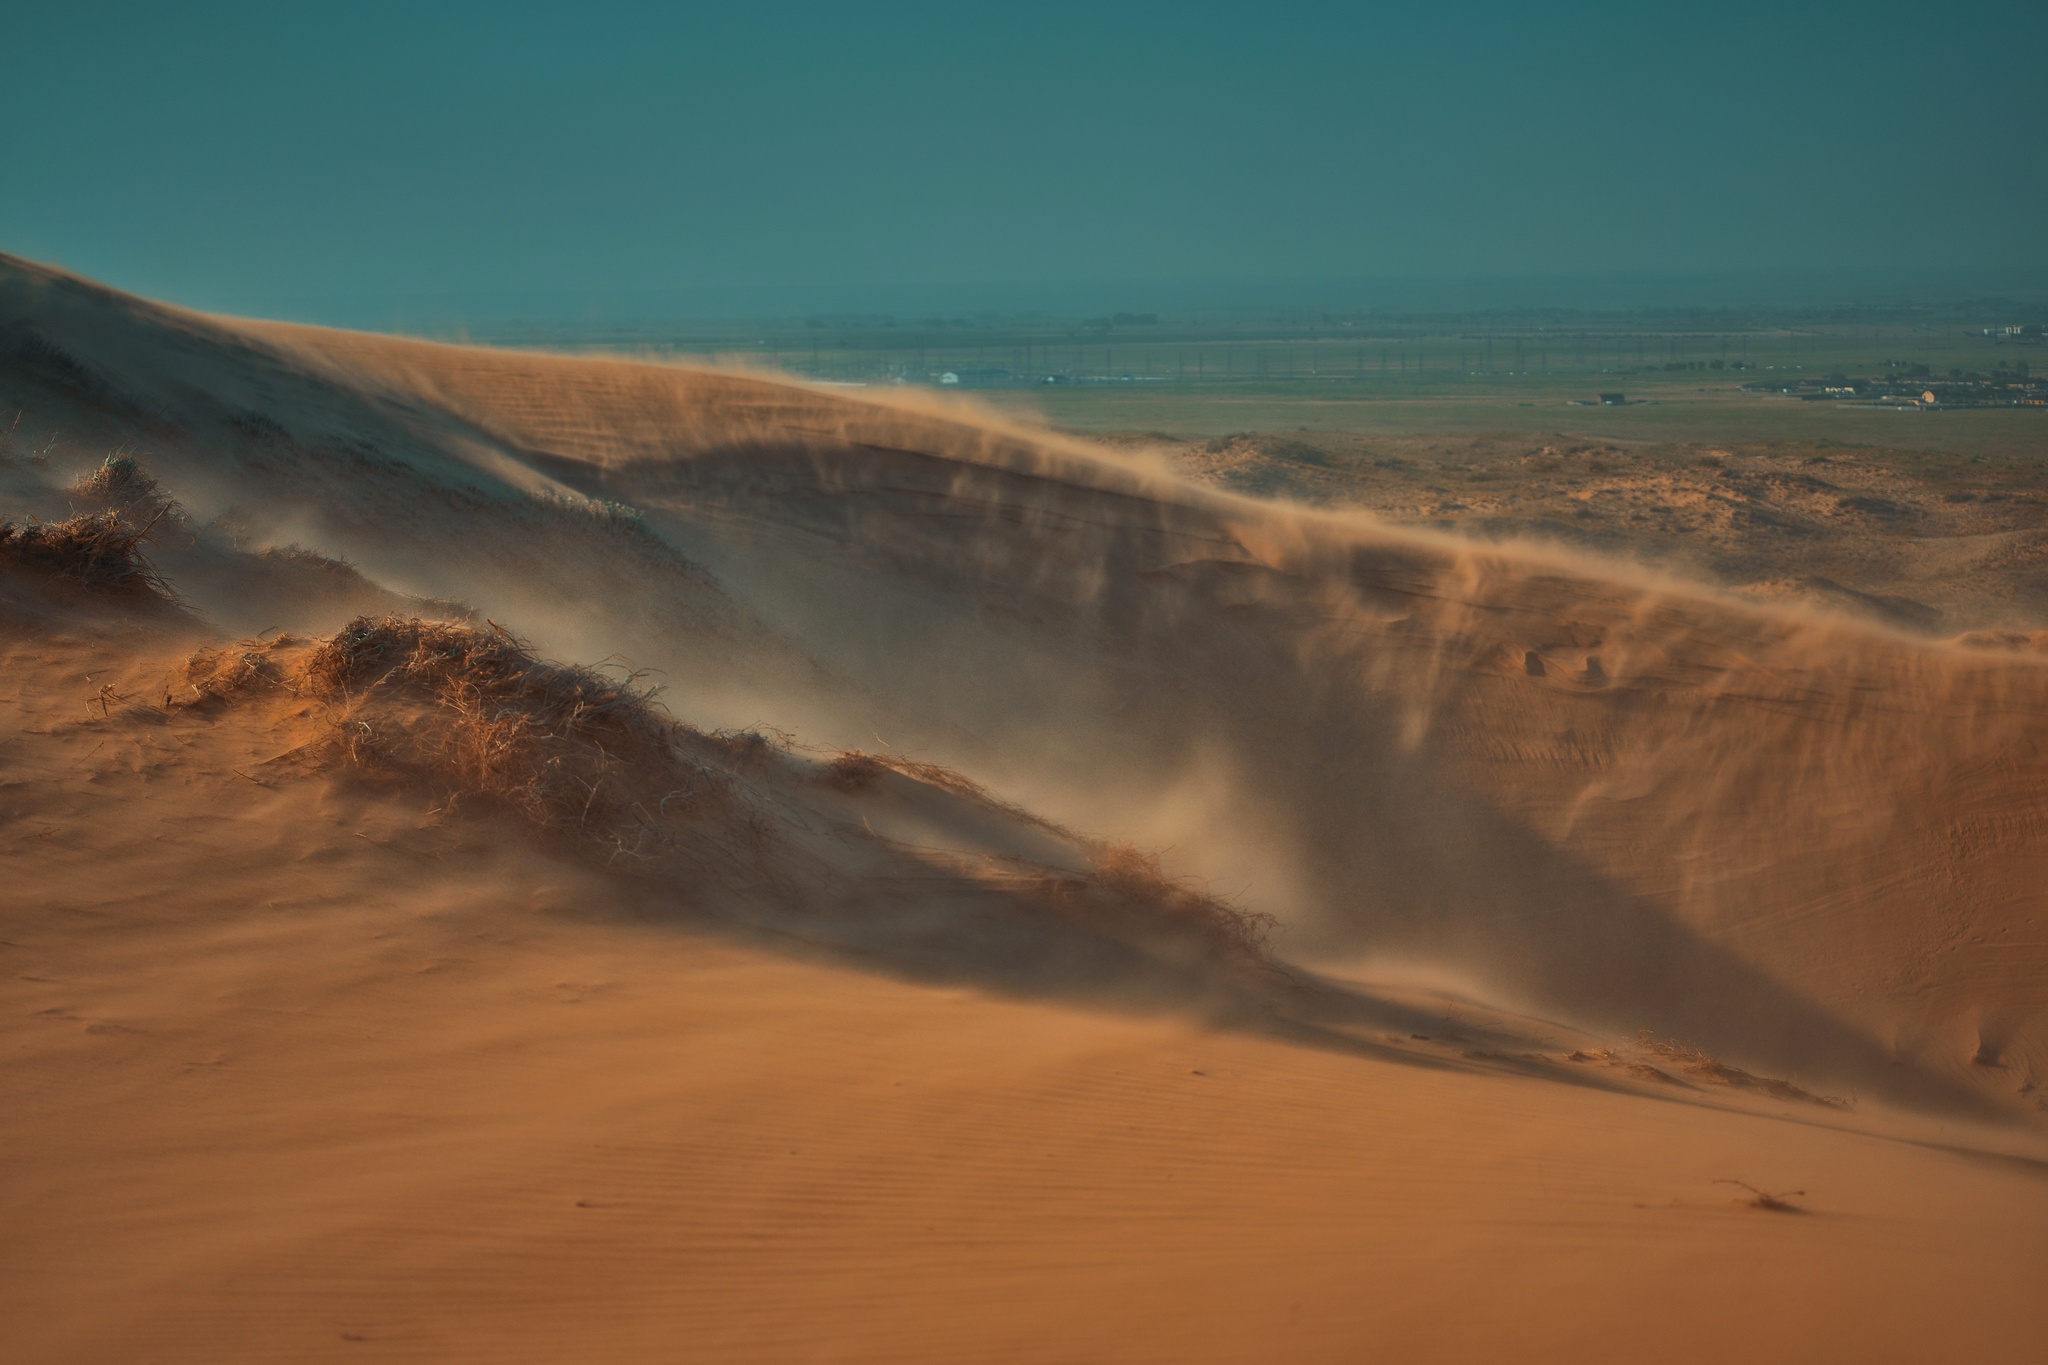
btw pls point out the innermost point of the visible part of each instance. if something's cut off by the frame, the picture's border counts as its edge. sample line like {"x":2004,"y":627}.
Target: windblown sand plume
{"x":990,"y":781}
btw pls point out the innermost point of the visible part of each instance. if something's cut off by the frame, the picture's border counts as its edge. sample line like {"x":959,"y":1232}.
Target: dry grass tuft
{"x":1767,"y":1201}
{"x":1695,"y":1062}
{"x":1138,"y":879}
{"x":476,"y":710}
{"x":120,"y":486}
{"x":856,"y":770}
{"x":747,"y":751}
{"x":298,"y":557}
{"x":472,"y":713}
{"x":217,"y":675}
{"x":119,"y":482}
{"x":101,"y":551}
{"x":1128,"y":896}
{"x":853,"y":771}
{"x":1125,"y":893}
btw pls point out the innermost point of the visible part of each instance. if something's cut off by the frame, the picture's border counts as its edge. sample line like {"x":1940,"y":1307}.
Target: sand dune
{"x":1588,"y":889}
{"x":1939,"y":542}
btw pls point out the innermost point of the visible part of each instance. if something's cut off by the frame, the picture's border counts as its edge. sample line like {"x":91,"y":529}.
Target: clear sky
{"x":232,"y":154}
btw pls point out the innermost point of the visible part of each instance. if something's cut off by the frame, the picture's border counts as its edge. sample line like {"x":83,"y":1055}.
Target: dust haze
{"x":631,"y":786}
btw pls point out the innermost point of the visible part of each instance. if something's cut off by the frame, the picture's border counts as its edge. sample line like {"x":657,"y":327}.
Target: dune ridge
{"x":1657,"y":808}
{"x":966,"y":707}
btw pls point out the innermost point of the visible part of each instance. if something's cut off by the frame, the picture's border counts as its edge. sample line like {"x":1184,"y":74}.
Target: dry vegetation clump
{"x":568,"y":746}
{"x":1779,"y":1202}
{"x":855,"y":771}
{"x":959,"y":784}
{"x":311,"y":561}
{"x":472,"y":712}
{"x":1695,"y":1062}
{"x":1125,"y":894}
{"x":1128,"y":895}
{"x":746,"y":751}
{"x":219,"y":675}
{"x":120,"y":483}
{"x":101,"y":551}
{"x":1138,"y":879}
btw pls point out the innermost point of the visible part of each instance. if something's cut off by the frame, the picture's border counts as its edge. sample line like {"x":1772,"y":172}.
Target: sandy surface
{"x":1606,"y":903}
{"x":1936,"y":541}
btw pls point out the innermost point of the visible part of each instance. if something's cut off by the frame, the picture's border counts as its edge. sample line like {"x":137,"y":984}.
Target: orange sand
{"x":301,"y":1066}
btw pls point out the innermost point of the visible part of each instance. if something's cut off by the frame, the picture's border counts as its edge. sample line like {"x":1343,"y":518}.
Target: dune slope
{"x":1575,"y":877}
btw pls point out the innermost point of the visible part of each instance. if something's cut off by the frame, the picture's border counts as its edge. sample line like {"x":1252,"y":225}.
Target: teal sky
{"x":246,"y":155}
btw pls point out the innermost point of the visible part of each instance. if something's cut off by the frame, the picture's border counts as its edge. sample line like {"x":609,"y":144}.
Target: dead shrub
{"x":1769,"y":1202}
{"x":1137,"y":879}
{"x":853,"y":771}
{"x":101,"y":551}
{"x":474,"y":708}
{"x":1696,"y":1062}
{"x":311,"y":561}
{"x":472,"y":712}
{"x":117,"y":481}
{"x":1125,"y":896}
{"x":748,"y":751}
{"x":959,"y":784}
{"x":119,"y":485}
{"x":214,"y":675}
{"x":1125,"y":893}
{"x":856,"y":770}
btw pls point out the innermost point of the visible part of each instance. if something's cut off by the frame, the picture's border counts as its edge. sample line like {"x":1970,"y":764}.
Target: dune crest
{"x":1796,"y":840}
{"x":525,"y":857}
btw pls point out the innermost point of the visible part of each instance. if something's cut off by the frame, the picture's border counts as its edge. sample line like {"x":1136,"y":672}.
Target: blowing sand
{"x":1050,"y":911}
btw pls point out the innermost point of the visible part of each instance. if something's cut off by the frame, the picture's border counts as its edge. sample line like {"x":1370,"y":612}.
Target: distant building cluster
{"x":1919,"y":388}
